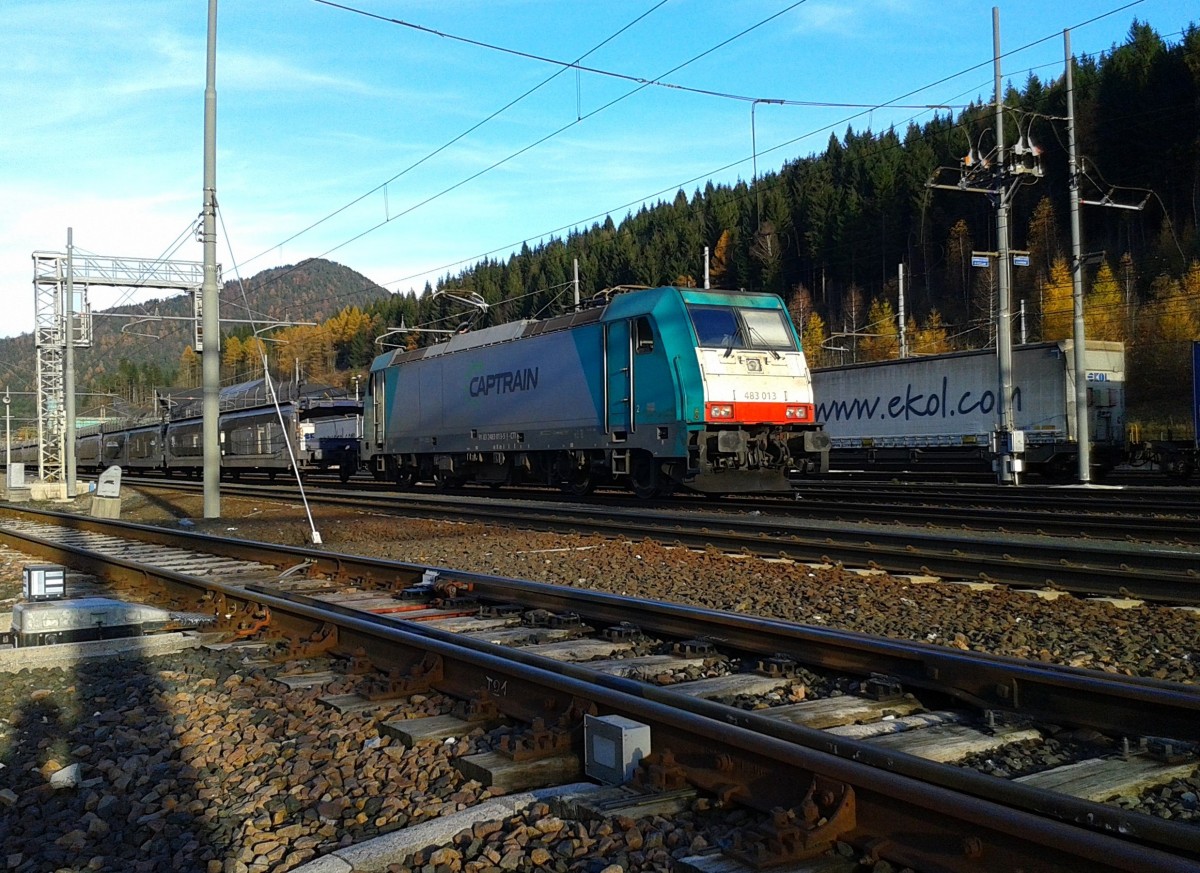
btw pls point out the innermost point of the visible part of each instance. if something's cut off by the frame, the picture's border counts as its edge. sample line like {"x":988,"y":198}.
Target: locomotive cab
{"x":757,"y":405}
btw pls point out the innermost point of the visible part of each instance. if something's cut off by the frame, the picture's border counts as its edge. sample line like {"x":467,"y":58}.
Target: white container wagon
{"x":938,"y":413}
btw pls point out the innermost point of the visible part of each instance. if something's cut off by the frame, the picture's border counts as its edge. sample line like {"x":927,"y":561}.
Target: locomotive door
{"x":618,"y":379}
{"x":378,"y":410}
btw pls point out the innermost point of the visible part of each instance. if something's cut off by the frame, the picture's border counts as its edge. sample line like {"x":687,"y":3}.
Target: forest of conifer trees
{"x":835,"y":226}
{"x":829,"y":231}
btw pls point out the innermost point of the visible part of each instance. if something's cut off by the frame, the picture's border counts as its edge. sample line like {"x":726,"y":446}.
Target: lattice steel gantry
{"x":51,"y":331}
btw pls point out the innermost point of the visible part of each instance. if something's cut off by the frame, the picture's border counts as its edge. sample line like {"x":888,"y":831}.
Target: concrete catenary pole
{"x":7,"y":439}
{"x":1006,"y":472}
{"x":68,"y":436}
{"x":1082,"y":436}
{"x":211,"y":362}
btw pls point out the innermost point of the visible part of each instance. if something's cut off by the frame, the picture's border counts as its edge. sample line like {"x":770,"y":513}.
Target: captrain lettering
{"x":504,"y":383}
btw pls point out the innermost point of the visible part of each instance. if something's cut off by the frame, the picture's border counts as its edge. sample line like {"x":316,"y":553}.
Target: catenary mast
{"x":210,"y":291}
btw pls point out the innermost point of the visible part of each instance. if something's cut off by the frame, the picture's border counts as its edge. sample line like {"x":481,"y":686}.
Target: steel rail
{"x":1137,"y":513}
{"x":1062,"y":519}
{"x":924,"y":825}
{"x":1123,"y":499}
{"x":1161,"y":573}
{"x":1115,"y":497}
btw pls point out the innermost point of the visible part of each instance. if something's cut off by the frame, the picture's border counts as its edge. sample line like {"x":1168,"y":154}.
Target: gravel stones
{"x":198,"y":762}
{"x":194,"y":762}
{"x":538,"y":840}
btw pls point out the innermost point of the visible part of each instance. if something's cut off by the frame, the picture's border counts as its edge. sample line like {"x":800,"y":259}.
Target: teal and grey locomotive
{"x":651,"y":388}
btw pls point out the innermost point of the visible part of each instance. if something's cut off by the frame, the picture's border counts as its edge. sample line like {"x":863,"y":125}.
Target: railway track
{"x":1114,"y":568}
{"x":1139,"y":514}
{"x":448,"y":632}
{"x":1143,"y":514}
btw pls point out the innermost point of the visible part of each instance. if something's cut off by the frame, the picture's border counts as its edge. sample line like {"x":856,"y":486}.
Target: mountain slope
{"x":153,"y":334}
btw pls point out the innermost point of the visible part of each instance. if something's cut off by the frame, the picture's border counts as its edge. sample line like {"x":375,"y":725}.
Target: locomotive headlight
{"x":720,"y":410}
{"x":797,"y":413}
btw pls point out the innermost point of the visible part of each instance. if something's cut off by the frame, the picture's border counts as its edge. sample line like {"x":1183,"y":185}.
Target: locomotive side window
{"x":643,"y":336}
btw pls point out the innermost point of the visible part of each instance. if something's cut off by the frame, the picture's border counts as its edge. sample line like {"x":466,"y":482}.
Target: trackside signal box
{"x":45,"y":582}
{"x":613,"y":747}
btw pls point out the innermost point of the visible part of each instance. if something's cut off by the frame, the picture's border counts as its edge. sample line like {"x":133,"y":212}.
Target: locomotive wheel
{"x":444,"y":481}
{"x":644,"y":478}
{"x":579,"y":483}
{"x":404,"y":478}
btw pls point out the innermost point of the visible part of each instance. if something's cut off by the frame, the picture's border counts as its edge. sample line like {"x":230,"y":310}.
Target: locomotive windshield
{"x":729,"y":327}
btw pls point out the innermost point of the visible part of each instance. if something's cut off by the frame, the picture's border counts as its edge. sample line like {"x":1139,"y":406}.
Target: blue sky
{"x":102,"y":107}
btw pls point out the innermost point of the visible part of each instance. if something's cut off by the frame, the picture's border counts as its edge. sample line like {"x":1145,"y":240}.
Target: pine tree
{"x":958,"y":260}
{"x":1167,"y":325}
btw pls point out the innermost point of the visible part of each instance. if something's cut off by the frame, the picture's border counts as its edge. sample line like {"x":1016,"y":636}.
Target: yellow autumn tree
{"x":231,"y":360}
{"x":307,"y":348}
{"x":1057,"y":303}
{"x":930,"y":338}
{"x":189,"y":369}
{"x":813,"y":338}
{"x":1104,"y":308}
{"x":958,"y":260}
{"x":718,"y":263}
{"x":346,"y":324}
{"x":253,"y":349}
{"x":881,"y":341}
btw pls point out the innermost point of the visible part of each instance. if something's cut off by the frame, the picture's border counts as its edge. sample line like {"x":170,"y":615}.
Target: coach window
{"x":644,"y":336}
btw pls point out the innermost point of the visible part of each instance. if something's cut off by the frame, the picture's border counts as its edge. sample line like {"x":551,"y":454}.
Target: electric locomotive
{"x":651,"y":388}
